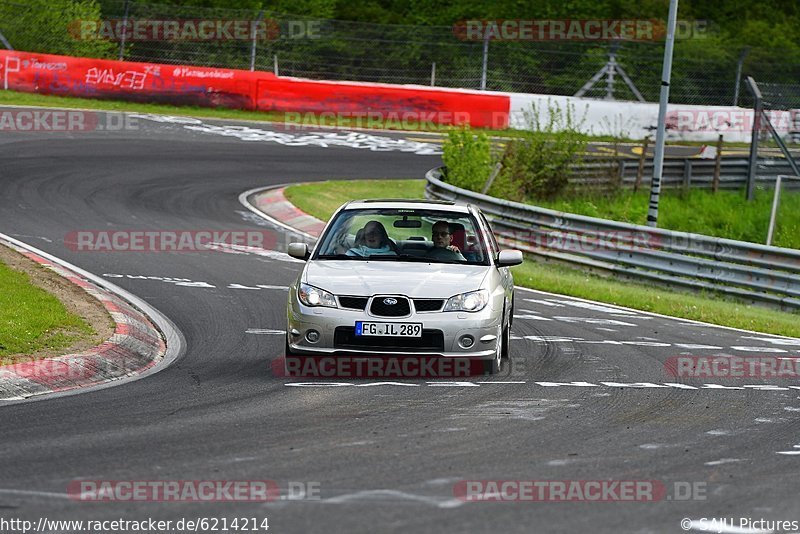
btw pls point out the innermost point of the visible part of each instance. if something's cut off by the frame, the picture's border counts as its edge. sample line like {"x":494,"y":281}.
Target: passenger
{"x":443,"y":249}
{"x":375,"y":242}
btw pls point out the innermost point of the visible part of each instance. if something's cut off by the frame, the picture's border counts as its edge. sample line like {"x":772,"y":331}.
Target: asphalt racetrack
{"x":586,"y":396}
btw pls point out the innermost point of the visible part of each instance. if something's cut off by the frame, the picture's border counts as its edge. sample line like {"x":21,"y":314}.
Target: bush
{"x":47,"y":26}
{"x":468,"y":158}
{"x":536,"y":165}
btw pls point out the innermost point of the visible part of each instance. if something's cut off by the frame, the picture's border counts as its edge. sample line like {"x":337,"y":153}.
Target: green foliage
{"x":536,"y":165}
{"x":468,"y":158}
{"x":44,"y":26}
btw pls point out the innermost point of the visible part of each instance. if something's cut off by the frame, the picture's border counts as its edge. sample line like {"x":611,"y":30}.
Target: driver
{"x":442,"y":247}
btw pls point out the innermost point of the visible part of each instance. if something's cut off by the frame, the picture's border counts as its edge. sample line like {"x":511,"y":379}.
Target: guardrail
{"x":738,"y":268}
{"x":678,"y":172}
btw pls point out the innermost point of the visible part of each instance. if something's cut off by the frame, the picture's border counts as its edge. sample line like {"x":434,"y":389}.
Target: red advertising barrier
{"x":141,"y":82}
{"x":241,"y":89}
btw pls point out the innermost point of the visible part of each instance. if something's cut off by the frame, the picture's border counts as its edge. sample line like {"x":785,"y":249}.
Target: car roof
{"x":404,"y":203}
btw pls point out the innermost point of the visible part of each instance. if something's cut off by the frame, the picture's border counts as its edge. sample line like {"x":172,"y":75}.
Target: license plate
{"x":388,"y":329}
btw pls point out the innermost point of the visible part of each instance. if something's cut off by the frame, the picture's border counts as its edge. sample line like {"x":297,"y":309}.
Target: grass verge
{"x":724,"y":214}
{"x":322,"y":199}
{"x":33,"y":320}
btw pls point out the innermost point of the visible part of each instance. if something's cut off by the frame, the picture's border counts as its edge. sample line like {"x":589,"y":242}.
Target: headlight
{"x":314,"y":296}
{"x":471,"y":302}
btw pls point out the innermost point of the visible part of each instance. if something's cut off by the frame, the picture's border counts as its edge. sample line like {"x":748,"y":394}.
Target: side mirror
{"x":507,"y":258}
{"x":299,"y":251}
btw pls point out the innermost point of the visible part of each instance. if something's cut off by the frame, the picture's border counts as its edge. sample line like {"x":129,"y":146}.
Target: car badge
{"x":390,"y":301}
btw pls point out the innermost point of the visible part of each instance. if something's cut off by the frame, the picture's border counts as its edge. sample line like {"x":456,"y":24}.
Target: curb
{"x":270,"y":203}
{"x":143,"y":342}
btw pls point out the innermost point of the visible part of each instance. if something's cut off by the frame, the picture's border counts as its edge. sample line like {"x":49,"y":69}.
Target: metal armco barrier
{"x":737,"y":268}
{"x":678,"y":172}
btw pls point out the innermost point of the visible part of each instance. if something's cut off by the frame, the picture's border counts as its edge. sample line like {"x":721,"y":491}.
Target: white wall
{"x":635,"y":120}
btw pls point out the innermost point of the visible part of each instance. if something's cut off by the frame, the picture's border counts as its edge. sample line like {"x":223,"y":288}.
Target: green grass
{"x":724,"y":214}
{"x":31,"y":319}
{"x":322,"y":199}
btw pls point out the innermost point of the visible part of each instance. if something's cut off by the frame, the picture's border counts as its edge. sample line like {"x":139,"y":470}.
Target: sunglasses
{"x":442,"y":234}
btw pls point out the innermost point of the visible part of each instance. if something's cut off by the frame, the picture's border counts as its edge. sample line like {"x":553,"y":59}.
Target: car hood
{"x":420,"y":280}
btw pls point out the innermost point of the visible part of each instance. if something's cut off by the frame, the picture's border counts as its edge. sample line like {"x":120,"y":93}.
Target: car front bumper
{"x":442,"y":332}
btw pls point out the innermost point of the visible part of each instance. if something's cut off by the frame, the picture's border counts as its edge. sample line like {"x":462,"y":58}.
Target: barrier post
{"x":717,"y":166}
{"x":640,"y":170}
{"x":776,"y":198}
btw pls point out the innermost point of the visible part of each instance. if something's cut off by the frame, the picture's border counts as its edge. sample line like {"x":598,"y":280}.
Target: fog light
{"x":466,"y":341}
{"x":312,"y":336}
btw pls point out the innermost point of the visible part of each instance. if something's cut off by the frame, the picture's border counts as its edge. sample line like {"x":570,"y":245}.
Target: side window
{"x":495,"y":250}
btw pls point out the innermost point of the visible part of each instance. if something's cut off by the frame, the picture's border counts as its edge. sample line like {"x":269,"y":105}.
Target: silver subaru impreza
{"x":403,"y":277}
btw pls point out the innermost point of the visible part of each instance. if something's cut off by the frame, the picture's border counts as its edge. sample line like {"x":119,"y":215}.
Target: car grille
{"x":355,"y":303}
{"x":401,"y":309}
{"x":344,"y":337}
{"x":427,"y":305}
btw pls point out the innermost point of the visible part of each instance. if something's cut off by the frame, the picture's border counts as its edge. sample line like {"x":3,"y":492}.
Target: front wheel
{"x":493,"y":366}
{"x":288,"y":350}
{"x":506,"y":342}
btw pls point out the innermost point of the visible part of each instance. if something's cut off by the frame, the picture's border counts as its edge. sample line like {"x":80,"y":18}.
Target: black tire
{"x":288,"y":350}
{"x":506,"y":342}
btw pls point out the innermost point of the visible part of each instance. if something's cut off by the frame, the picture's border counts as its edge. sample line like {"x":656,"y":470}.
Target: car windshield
{"x":415,"y":235}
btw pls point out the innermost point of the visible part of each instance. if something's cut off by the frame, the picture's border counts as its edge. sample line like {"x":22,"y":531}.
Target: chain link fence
{"x":427,"y":55}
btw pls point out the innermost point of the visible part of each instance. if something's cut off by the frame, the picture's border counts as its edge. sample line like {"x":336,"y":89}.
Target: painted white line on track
{"x":676,"y":320}
{"x":31,"y":493}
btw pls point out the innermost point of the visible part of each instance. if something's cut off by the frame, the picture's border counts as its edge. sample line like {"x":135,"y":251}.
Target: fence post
{"x":739,"y":65}
{"x":433,"y":74}
{"x":717,"y":166}
{"x":485,"y":60}
{"x":640,"y":170}
{"x":491,"y":178}
{"x":5,"y":42}
{"x":275,"y":64}
{"x":253,"y":37}
{"x":621,"y":172}
{"x":751,"y":166}
{"x":124,"y":30}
